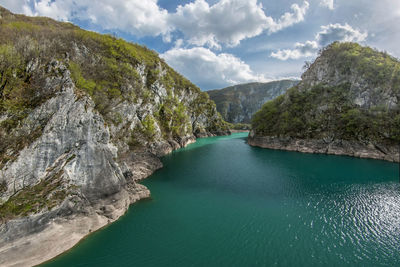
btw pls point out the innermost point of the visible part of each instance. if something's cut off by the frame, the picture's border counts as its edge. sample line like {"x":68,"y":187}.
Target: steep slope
{"x":347,"y":103}
{"x":238,"y":103}
{"x":82,"y":117}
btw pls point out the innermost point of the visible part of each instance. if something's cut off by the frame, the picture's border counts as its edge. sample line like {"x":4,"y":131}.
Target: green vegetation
{"x":325,"y":111}
{"x":80,"y":82}
{"x":377,"y":68}
{"x":173,"y":119}
{"x":149,"y":128}
{"x":16,"y":97}
{"x":11,"y":143}
{"x":46,"y":194}
{"x":102,"y":66}
{"x":330,"y":111}
{"x":3,"y":187}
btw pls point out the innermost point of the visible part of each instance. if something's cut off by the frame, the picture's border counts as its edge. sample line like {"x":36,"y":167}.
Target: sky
{"x":217,"y":43}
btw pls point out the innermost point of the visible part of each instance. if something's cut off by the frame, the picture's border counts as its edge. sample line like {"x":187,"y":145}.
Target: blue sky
{"x":217,"y":43}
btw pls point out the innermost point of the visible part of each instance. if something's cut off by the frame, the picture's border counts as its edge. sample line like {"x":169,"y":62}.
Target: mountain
{"x":83,"y":116}
{"x":346,"y":103}
{"x":238,"y":103}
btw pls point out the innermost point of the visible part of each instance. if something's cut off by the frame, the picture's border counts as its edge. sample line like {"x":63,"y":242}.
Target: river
{"x":220,"y":202}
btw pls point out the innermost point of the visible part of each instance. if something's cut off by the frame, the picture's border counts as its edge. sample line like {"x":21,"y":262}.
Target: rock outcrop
{"x":83,"y":117}
{"x":238,"y":103}
{"x":332,"y":147}
{"x":346,"y":104}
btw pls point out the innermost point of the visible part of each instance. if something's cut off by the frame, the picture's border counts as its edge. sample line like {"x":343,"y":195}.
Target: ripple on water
{"x":364,"y":218}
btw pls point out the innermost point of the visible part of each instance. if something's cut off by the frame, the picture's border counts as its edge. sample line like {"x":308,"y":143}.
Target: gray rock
{"x":322,"y":146}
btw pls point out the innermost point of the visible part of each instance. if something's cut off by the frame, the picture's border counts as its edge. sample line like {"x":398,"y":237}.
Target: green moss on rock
{"x":45,"y":195}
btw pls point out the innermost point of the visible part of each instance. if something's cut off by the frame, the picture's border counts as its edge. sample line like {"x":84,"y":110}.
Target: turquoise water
{"x":220,"y":202}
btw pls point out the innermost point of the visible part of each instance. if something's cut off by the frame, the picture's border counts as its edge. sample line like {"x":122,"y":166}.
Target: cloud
{"x":18,"y":6}
{"x":338,"y":32}
{"x":229,"y":21}
{"x":327,"y":35}
{"x":301,"y":50}
{"x":141,"y":18}
{"x":209,"y":69}
{"x":328,"y":3}
{"x":226,"y":22}
{"x":288,"y":19}
{"x":57,"y":10}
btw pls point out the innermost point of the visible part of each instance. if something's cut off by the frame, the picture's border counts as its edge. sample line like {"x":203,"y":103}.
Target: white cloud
{"x":301,"y":50}
{"x":142,"y":18}
{"x":338,"y":32}
{"x":229,"y":21}
{"x":57,"y":10}
{"x":218,"y":70}
{"x":17,"y":6}
{"x":327,"y":35}
{"x":225,"y":22}
{"x":328,"y":3}
{"x":288,"y":19}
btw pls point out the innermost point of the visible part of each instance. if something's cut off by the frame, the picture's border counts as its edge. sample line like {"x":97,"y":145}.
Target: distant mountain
{"x":238,"y":103}
{"x":347,"y":103}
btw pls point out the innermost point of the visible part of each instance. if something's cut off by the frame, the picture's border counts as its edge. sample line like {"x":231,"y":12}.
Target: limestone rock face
{"x":363,"y":93}
{"x":75,"y":142}
{"x":75,"y":136}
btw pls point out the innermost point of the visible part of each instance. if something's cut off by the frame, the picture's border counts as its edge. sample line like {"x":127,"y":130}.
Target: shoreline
{"x":337,"y":147}
{"x":63,"y":233}
{"x":91,"y":232}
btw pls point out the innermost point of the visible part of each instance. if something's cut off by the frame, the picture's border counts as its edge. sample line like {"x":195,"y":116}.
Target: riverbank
{"x":320,"y":146}
{"x":240,"y":131}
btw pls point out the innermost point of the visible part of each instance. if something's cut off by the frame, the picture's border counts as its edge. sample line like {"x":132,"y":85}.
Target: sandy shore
{"x":58,"y":237}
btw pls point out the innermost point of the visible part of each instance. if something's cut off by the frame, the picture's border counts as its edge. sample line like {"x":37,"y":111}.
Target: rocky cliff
{"x":83,"y":116}
{"x":237,"y":104}
{"x":347,"y":103}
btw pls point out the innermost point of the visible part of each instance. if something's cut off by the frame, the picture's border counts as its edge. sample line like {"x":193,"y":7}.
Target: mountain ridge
{"x":238,"y":103}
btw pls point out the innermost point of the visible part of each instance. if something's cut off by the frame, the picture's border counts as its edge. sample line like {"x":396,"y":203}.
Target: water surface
{"x":220,"y":202}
